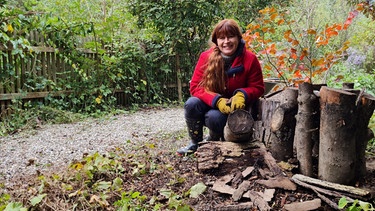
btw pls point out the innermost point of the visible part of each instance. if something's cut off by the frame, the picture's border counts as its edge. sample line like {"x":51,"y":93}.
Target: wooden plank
{"x":17,"y":69}
{"x":43,"y":72}
{"x":53,"y":67}
{"x":31,"y":95}
{"x":2,"y":68}
{"x":11,"y":63}
{"x":23,"y":72}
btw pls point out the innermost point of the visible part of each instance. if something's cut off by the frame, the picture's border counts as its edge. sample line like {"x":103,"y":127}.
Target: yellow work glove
{"x":222,"y":106}
{"x":238,"y":101}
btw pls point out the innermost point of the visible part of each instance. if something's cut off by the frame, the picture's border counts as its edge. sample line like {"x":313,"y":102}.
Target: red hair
{"x":214,"y":76}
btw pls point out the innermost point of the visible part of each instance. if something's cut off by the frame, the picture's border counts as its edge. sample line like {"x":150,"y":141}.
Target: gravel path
{"x":55,"y":146}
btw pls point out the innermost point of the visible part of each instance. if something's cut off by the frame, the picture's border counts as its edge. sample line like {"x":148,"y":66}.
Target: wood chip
{"x":279,"y":182}
{"x":302,"y":206}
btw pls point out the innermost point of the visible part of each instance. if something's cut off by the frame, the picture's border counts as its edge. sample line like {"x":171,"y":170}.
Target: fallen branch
{"x":329,"y":185}
{"x":322,"y":190}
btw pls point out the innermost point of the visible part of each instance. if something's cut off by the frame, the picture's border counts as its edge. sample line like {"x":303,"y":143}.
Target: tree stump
{"x":337,"y":149}
{"x":308,"y":108}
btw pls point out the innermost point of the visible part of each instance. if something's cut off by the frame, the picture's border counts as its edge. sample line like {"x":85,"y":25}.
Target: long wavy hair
{"x":214,"y":76}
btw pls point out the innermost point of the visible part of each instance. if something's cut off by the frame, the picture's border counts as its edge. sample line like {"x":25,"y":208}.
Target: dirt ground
{"x":179,"y":174}
{"x":172,"y":172}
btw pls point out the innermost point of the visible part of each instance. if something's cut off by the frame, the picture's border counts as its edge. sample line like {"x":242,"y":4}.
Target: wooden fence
{"x":45,"y":63}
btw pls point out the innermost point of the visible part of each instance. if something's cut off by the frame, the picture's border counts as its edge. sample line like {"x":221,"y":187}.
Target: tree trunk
{"x":308,"y":106}
{"x":337,"y":149}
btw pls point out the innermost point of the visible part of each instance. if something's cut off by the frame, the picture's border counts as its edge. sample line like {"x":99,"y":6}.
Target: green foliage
{"x":30,"y":116}
{"x":355,"y":205}
{"x":245,"y":11}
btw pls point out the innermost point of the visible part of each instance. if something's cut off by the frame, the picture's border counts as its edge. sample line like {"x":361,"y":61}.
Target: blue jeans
{"x":196,"y":109}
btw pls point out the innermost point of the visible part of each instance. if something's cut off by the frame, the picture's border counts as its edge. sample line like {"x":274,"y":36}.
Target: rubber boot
{"x":195,"y":131}
{"x":212,"y":136}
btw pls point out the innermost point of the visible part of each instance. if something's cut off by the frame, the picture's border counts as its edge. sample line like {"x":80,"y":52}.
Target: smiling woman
{"x":227,"y":77}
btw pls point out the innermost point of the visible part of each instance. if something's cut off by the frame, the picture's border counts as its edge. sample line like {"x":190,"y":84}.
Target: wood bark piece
{"x":239,"y":126}
{"x":213,"y":154}
{"x":279,"y":182}
{"x":306,"y":125}
{"x":337,"y":147}
{"x":258,"y":200}
{"x":332,"y":186}
{"x":221,"y":186}
{"x":270,"y":161}
{"x":238,"y":193}
{"x":302,"y":206}
{"x":237,"y":207}
{"x":247,"y":171}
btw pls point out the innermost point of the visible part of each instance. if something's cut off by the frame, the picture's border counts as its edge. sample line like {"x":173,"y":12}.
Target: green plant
{"x":355,"y":205}
{"x":292,"y":53}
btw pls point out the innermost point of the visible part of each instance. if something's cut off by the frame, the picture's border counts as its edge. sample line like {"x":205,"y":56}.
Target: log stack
{"x":328,"y":124}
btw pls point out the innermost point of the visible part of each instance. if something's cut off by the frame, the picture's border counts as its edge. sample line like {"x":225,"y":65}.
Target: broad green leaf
{"x":342,"y":203}
{"x":103,"y":185}
{"x":197,"y":189}
{"x":15,"y":206}
{"x":36,"y":200}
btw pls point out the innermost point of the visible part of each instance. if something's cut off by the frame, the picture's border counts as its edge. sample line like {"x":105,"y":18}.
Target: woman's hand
{"x":238,"y":101}
{"x":223,"y":106}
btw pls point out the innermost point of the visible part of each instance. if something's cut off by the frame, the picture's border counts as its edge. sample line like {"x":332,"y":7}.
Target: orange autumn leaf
{"x":311,"y":31}
{"x":273,"y":16}
{"x":267,"y":67}
{"x":287,"y":34}
{"x":317,"y":62}
{"x":297,"y":74}
{"x":279,"y":22}
{"x":295,"y":42}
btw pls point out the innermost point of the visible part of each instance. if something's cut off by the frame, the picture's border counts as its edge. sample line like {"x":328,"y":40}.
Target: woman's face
{"x":228,"y":44}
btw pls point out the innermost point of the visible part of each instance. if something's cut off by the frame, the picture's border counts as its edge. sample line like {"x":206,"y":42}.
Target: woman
{"x":227,"y":77}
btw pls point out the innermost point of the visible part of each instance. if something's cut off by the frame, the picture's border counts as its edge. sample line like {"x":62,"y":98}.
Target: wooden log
{"x":337,"y":136}
{"x":308,"y":106}
{"x":239,"y":127}
{"x":365,"y":109}
{"x":282,"y":125}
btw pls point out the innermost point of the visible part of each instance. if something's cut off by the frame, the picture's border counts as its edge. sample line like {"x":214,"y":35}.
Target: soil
{"x":175,"y":173}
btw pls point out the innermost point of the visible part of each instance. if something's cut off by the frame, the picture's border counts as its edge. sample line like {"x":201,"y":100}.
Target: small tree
{"x":292,"y":53}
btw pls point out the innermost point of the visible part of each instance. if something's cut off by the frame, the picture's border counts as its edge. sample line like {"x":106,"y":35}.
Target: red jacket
{"x":245,"y":75}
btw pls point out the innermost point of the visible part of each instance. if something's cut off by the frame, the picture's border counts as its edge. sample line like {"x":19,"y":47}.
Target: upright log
{"x":337,"y":149}
{"x":283,"y":123}
{"x":308,"y":106}
{"x":365,"y":109}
